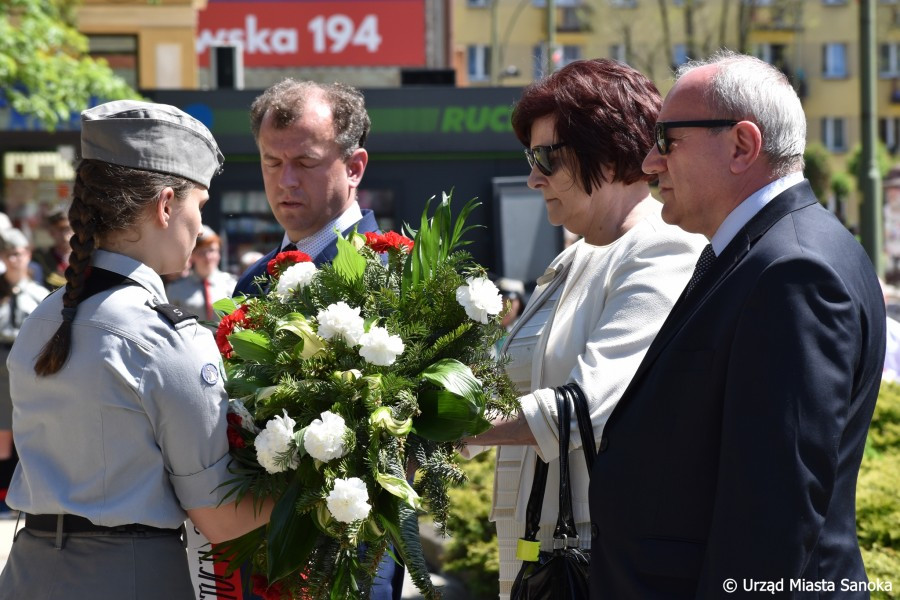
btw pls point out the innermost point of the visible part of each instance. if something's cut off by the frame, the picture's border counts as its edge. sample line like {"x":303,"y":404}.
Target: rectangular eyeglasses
{"x":662,"y":140}
{"x":540,"y":156}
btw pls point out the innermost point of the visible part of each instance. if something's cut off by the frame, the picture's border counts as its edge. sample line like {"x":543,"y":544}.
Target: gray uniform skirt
{"x":96,"y":566}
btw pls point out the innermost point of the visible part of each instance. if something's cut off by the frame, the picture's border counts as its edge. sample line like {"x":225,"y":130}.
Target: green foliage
{"x":841,"y":184}
{"x":472,"y":553}
{"x":882,"y":564}
{"x":855,"y":164}
{"x":877,"y":500}
{"x":877,"y":510}
{"x":44,"y":68}
{"x":818,"y":169}
{"x":435,"y":241}
{"x":404,"y":413}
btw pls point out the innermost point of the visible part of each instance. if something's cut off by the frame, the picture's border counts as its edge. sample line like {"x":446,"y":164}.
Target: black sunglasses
{"x":540,"y":156}
{"x":662,"y":142}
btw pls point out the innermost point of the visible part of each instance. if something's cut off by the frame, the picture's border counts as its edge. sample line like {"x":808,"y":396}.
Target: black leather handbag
{"x":561,"y":573}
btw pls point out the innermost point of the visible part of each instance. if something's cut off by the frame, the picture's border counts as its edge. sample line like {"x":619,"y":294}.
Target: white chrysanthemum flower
{"x":295,"y":277}
{"x":480,"y":297}
{"x":379,"y":347}
{"x":341,"y":320}
{"x":348,"y":501}
{"x":238,"y":408}
{"x":274,"y":441}
{"x":324,"y":438}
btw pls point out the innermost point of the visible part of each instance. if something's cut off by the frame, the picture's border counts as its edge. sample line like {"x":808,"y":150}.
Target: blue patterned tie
{"x":707,"y":257}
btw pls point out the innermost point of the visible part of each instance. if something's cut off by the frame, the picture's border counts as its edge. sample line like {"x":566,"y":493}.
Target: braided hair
{"x":106,"y":199}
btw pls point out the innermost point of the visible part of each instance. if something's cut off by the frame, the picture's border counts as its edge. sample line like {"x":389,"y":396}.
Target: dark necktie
{"x":707,"y":257}
{"x":292,"y":247}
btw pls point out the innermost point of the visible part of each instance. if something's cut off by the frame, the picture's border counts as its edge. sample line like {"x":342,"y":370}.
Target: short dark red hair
{"x":605,"y":112}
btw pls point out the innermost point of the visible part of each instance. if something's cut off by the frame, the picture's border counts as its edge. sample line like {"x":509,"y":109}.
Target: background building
{"x":815,"y":42}
{"x":440,"y":77}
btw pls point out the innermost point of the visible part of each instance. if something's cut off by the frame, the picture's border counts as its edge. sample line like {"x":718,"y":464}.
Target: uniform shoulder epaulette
{"x":174,"y":314}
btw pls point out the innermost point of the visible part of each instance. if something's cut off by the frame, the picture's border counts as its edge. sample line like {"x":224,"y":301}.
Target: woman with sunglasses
{"x":586,"y":130}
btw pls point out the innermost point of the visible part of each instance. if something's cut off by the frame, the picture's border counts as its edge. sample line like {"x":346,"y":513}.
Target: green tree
{"x":45,"y":71}
{"x":855,"y":166}
{"x":817,"y":169}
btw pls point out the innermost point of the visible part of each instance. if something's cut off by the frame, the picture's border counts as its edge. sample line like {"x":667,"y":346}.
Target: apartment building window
{"x":889,"y":60}
{"x":120,"y":51}
{"x":566,"y":55}
{"x":833,"y":2}
{"x":617,"y":52}
{"x":479,"y":59}
{"x":834,"y":61}
{"x":771,"y":53}
{"x":834,"y":134}
{"x":559,"y":3}
{"x":476,"y":3}
{"x":889,"y":133}
{"x":623,"y":3}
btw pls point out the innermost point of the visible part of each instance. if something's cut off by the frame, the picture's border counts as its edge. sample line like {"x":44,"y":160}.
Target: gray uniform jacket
{"x":132,"y":429}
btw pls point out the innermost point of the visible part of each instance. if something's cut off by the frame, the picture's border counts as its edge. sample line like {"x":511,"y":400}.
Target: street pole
{"x":551,"y":35}
{"x":495,"y":45}
{"x":872,"y":228}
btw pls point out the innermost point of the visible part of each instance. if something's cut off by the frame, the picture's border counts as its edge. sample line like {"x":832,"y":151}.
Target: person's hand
{"x":505,"y":432}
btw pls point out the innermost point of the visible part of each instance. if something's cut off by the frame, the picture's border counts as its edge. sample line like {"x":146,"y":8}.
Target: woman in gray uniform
{"x":118,"y":404}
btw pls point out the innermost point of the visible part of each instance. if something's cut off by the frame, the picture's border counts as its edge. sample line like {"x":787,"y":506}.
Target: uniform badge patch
{"x":210,"y":373}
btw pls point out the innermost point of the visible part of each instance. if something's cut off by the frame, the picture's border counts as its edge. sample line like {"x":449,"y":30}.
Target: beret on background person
{"x":13,"y":239}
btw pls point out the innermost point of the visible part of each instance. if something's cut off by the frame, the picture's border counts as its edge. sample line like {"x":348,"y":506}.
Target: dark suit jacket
{"x":734,"y":451}
{"x":245,"y":285}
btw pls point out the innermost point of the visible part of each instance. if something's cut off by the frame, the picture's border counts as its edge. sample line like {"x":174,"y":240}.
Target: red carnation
{"x":283,"y":260}
{"x":235,"y":439}
{"x":226,"y":328}
{"x":262,"y":588}
{"x":389,"y":241}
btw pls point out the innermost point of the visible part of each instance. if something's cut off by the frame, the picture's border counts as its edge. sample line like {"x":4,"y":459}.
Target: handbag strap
{"x":585,"y":427}
{"x":536,"y":500}
{"x":565,"y":521}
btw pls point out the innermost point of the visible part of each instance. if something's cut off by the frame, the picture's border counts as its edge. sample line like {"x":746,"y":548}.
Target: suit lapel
{"x":790,"y":200}
{"x":367,"y":223}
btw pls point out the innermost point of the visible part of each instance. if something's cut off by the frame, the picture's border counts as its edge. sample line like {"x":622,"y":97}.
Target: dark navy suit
{"x":388,"y":583}
{"x":734,"y":451}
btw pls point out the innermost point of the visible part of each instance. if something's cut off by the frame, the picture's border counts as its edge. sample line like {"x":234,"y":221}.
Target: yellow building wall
{"x":165,"y":33}
{"x":802,"y":26}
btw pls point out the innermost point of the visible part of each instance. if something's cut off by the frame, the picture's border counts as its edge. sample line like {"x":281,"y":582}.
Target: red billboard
{"x":308,"y":34}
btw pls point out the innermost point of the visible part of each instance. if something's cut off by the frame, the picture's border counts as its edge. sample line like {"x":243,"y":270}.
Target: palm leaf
{"x":291,"y":536}
{"x":407,"y":543}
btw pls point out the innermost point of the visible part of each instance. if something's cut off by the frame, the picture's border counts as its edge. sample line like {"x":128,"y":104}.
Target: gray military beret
{"x":12,"y":239}
{"x":151,"y":137}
